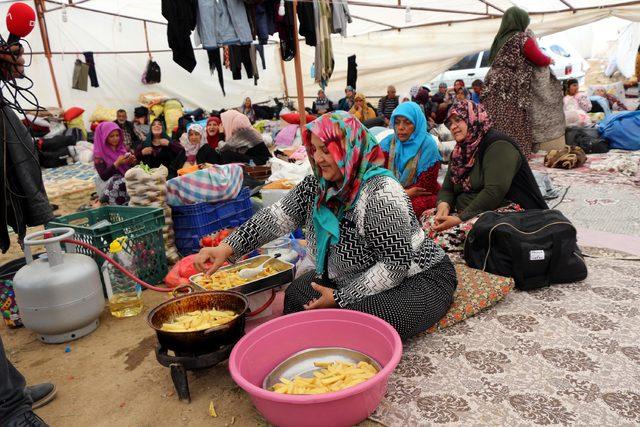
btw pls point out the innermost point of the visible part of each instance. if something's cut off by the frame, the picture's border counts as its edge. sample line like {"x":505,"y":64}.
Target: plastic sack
{"x":622,"y":130}
{"x":289,"y":171}
{"x":216,"y":184}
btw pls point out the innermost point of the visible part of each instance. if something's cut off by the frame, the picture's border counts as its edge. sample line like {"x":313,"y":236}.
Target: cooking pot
{"x":206,"y":340}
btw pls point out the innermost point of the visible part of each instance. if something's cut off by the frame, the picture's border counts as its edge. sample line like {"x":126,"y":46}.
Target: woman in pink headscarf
{"x":111,"y":159}
{"x":242,"y":144}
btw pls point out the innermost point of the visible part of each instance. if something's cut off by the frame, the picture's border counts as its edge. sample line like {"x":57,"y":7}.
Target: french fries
{"x":334,"y":376}
{"x":227,"y":279}
{"x":199,"y":320}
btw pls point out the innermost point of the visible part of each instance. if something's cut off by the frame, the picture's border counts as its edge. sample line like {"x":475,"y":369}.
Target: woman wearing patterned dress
{"x":508,"y":91}
{"x":487,"y":172}
{"x":412,"y":155}
{"x":369,"y":252}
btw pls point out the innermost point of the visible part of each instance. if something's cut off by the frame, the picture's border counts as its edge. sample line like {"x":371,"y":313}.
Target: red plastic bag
{"x":180,"y":273}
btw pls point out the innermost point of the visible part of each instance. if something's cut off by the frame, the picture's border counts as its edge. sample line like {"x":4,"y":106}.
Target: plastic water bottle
{"x":125,"y":295}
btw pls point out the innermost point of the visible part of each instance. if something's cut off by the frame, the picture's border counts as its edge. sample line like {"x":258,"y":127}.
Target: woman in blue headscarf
{"x":412,"y":155}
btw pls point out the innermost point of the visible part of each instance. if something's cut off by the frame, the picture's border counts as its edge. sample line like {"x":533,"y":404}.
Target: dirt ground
{"x":111,"y":377}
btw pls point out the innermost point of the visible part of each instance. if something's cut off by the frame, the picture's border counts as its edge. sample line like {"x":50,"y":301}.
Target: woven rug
{"x":568,"y":354}
{"x":82,"y":171}
{"x":601,"y":169}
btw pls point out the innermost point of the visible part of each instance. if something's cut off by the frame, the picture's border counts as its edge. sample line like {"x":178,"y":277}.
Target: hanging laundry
{"x":88,"y":57}
{"x":260,"y":49}
{"x":324,"y":62}
{"x":352,"y":71}
{"x":261,"y":15}
{"x":284,"y":25}
{"x":307,"y":27}
{"x":240,"y":56}
{"x":181,"y":16}
{"x":206,"y":24}
{"x":341,"y":17}
{"x":215,"y":65}
{"x":80,"y":76}
{"x":226,"y":58}
{"x":254,"y":64}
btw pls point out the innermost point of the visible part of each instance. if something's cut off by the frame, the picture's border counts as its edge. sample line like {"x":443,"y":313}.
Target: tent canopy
{"x":402,"y":44}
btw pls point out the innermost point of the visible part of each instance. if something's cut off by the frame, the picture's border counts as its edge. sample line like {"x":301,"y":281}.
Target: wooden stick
{"x":146,"y":38}
{"x":47,"y":47}
{"x":284,"y":74}
{"x":298,"y":66}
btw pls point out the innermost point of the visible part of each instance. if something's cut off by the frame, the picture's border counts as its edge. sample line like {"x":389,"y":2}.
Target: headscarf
{"x":190,"y":149}
{"x":233,"y":121}
{"x":514,"y":20}
{"x":149,"y":140}
{"x":359,"y":158}
{"x":415,"y":155}
{"x":360,"y":95}
{"x":464,"y":154}
{"x":102,"y":150}
{"x":422,"y":96}
{"x":213,"y":140}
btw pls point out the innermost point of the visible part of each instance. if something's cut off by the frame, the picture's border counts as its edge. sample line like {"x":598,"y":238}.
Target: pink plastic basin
{"x":265,"y":347}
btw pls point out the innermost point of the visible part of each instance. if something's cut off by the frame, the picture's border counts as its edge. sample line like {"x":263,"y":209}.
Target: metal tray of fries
{"x":284,"y":273}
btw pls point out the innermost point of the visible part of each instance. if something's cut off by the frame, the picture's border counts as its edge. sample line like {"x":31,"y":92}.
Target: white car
{"x":476,"y":66}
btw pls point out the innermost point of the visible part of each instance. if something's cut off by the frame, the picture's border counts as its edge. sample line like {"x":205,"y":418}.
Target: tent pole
{"x":284,"y":74}
{"x":298,"y":66}
{"x":47,"y":48}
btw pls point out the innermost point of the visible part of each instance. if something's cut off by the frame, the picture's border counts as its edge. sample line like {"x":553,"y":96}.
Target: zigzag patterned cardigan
{"x":381,"y":243}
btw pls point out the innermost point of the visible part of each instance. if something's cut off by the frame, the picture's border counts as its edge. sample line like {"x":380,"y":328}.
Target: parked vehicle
{"x":476,"y":66}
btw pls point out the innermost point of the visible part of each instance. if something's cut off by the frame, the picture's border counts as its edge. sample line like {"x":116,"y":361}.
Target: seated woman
{"x":213,"y":132}
{"x":487,"y":172}
{"x":159,"y":149}
{"x":243,"y":144}
{"x":614,"y":103}
{"x":247,"y":110}
{"x":361,"y":109}
{"x":576,"y":105}
{"x":111,"y":159}
{"x":412,"y":155}
{"x":196,"y":150}
{"x":369,"y":252}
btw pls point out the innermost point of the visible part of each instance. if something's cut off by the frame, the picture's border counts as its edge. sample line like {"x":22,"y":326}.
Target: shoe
{"x":40,"y":394}
{"x":25,"y":419}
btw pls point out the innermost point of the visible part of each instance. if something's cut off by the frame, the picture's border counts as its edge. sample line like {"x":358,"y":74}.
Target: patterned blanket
{"x":568,"y":354}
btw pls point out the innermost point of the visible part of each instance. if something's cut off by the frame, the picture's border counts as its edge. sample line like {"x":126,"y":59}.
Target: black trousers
{"x":239,"y":56}
{"x":13,"y":400}
{"x":216,"y":65}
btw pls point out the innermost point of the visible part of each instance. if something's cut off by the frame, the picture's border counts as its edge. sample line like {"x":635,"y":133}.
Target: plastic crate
{"x":192,"y":222}
{"x":142,"y":227}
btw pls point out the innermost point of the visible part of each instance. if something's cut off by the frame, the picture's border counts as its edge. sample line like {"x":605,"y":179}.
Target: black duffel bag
{"x":536,"y":247}
{"x":586,"y":138}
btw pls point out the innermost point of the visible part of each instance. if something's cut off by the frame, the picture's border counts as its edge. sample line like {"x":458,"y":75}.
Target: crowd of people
{"x":392,"y":178}
{"x":378,"y":223}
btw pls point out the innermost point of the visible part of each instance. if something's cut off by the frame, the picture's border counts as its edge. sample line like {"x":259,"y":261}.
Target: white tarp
{"x":405,"y":57}
{"x":626,"y":49}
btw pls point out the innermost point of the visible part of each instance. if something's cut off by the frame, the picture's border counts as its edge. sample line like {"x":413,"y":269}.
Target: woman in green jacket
{"x":487,"y":172}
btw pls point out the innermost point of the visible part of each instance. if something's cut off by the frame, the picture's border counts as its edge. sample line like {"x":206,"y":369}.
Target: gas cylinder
{"x":59,"y":295}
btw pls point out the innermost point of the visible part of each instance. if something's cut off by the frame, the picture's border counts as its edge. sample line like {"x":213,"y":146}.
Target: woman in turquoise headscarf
{"x":365,"y":244}
{"x":412,"y":155}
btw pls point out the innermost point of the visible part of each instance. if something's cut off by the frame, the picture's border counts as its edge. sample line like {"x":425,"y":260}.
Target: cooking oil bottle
{"x":125,"y":295}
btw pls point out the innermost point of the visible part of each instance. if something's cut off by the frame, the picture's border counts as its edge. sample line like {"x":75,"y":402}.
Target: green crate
{"x":142,"y":227}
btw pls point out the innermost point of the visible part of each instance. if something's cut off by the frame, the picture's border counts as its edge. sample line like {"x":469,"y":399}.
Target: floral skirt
{"x":115,"y":191}
{"x":452,"y":240}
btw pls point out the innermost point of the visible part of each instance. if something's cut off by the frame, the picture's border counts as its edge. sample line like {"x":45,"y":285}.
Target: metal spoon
{"x":248,"y":273}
